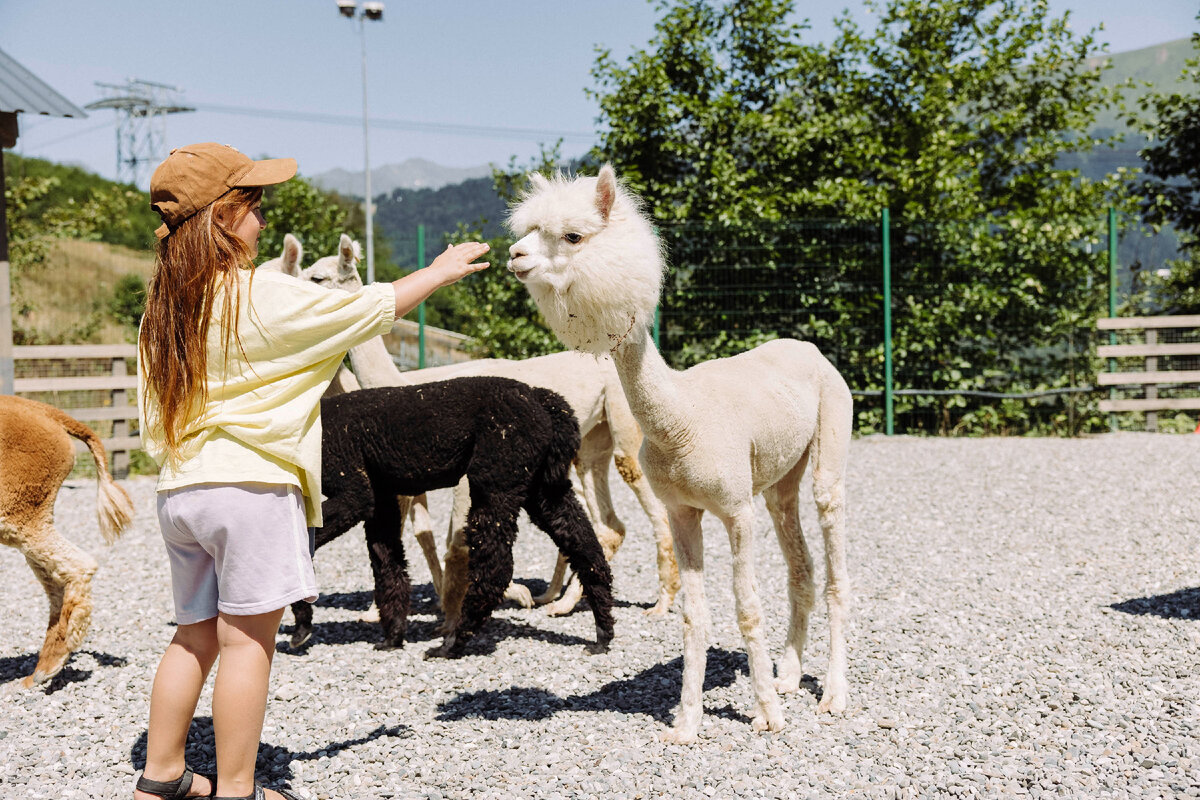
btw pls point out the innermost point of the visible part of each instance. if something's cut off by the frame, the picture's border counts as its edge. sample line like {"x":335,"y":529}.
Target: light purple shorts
{"x":237,"y":548}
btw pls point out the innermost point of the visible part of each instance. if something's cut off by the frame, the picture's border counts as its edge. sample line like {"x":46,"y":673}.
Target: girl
{"x":232,"y":366}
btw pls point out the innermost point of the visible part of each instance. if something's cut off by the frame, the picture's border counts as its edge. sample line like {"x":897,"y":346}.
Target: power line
{"x":455,"y":129}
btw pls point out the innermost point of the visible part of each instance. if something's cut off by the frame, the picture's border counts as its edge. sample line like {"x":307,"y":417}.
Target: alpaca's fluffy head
{"x":589,"y":258}
{"x":339,"y":271}
{"x":288,"y":261}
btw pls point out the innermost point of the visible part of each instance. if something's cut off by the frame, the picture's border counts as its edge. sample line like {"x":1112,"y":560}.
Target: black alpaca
{"x":514,"y":443}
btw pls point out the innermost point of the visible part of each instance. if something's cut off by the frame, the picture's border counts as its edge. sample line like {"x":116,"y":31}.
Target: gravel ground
{"x":1024,"y":623}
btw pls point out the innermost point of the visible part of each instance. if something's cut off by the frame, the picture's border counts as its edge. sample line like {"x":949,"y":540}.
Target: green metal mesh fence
{"x":988,"y":335}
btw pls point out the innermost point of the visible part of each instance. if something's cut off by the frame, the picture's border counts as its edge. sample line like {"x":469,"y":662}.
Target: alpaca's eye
{"x":318,"y":279}
{"x":573,"y":238}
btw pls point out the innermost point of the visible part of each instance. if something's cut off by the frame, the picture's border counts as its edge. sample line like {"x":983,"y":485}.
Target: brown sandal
{"x":176,"y":789}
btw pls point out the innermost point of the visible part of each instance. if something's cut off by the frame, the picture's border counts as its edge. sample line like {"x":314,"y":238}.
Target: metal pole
{"x":657,"y":329}
{"x":1112,"y":303}
{"x":421,"y":307}
{"x":888,"y":398}
{"x":362,"y":29}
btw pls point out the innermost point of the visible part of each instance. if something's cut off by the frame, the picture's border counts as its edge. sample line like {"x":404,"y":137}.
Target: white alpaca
{"x":715,"y":434}
{"x":607,"y":427}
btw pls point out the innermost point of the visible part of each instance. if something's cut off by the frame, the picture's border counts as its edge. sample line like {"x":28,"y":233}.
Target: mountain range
{"x":412,"y":173}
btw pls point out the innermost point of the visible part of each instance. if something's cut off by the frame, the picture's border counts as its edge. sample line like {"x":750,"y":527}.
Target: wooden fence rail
{"x":1151,"y":378}
{"x":119,"y":384}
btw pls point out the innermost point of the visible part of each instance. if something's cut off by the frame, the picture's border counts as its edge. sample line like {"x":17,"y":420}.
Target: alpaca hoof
{"x":300,"y":638}
{"x":561,"y":607}
{"x":659,"y":609}
{"x":389,"y":645}
{"x":601,"y":645}
{"x":768,"y":722}
{"x":545,"y":597}
{"x":678,"y":736}
{"x":832,"y":703}
{"x":519,"y":594}
{"x":786,"y":684}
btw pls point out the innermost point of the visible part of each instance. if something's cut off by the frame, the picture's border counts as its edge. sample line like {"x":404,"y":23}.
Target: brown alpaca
{"x":36,"y":455}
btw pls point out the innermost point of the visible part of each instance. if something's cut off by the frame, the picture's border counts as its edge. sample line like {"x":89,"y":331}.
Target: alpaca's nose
{"x":516,"y":251}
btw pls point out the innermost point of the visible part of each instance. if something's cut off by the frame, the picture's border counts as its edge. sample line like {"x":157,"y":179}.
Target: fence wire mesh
{"x":989,"y":336}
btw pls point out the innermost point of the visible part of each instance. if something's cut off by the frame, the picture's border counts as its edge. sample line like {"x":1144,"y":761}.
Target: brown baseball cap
{"x":192,"y":177}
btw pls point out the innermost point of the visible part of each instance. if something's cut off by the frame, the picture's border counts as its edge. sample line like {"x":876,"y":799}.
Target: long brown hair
{"x":190,"y":263}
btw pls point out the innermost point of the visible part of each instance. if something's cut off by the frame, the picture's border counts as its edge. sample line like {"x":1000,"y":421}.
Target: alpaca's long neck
{"x":652,"y":389}
{"x":373,"y":365}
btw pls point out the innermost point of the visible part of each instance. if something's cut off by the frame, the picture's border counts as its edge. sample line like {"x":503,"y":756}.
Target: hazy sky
{"x":482,"y":80}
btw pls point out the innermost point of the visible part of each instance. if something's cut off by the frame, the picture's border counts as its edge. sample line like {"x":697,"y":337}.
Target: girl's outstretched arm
{"x":455,"y":262}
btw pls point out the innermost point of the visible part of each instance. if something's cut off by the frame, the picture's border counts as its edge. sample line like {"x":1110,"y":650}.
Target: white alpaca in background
{"x":715,"y":435}
{"x":608,"y":432}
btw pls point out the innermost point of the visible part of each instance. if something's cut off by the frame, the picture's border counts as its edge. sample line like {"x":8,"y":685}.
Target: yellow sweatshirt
{"x":262,"y":421}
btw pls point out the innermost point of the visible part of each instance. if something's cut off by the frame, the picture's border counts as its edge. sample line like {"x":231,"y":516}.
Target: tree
{"x":954,"y":114}
{"x":1171,"y":189}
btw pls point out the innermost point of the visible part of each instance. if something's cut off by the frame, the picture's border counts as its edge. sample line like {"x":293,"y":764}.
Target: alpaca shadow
{"x":350,"y":601}
{"x":652,"y":692}
{"x":496,"y":630}
{"x":14,"y":668}
{"x":1183,"y":604}
{"x":344,"y":632}
{"x":274,"y":763}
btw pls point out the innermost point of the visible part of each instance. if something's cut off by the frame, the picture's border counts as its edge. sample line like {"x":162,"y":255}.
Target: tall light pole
{"x":371,"y":10}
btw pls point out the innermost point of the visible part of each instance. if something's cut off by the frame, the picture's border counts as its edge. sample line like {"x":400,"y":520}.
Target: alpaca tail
{"x":114,"y":509}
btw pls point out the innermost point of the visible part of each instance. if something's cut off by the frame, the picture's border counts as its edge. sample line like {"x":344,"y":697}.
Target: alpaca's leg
{"x":689,"y":551}
{"x":829,"y":491}
{"x":490,"y":533}
{"x":418,"y":509}
{"x":768,"y":716}
{"x":555,"y":509}
{"x":668,"y":570}
{"x":65,"y":572}
{"x":393,"y":587}
{"x":627,"y":442}
{"x":591,"y":466}
{"x":783,"y":503}
{"x":590,"y":481}
{"x":454,"y":573}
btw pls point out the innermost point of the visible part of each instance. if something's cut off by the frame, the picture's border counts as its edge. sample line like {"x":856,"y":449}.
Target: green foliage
{"x":957,"y":115}
{"x":127,"y":218}
{"x":318,"y":219}
{"x":128,"y":302}
{"x":1171,"y":189}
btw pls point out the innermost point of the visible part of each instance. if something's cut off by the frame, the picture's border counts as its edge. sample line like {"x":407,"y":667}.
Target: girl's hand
{"x":458,"y":261}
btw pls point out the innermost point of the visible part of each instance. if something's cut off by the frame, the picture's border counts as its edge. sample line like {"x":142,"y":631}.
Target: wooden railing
{"x":119,"y":387}
{"x":1151,"y":378}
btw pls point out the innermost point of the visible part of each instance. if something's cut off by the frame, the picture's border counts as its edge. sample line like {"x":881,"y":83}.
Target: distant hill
{"x":1159,"y":65}
{"x":472,"y":202}
{"x":414,"y":173}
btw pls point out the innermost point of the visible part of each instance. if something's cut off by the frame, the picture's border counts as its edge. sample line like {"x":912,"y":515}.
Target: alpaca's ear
{"x":293,"y":251}
{"x":606,"y":191}
{"x":538,"y":181}
{"x":347,"y":255}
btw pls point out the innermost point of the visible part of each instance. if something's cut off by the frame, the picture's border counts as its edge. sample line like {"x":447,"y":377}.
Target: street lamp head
{"x":373,"y":9}
{"x":346,"y":7}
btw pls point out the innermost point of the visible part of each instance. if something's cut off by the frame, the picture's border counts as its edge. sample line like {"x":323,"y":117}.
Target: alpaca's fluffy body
{"x":608,"y":431}
{"x":715,"y":434}
{"x":512,"y":442}
{"x":36,"y":455}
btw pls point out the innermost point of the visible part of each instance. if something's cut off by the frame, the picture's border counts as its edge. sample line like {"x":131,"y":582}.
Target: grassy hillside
{"x":69,"y":297}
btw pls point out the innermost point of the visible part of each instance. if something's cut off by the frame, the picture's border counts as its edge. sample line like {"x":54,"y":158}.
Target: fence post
{"x":421,"y":307}
{"x":120,"y":457}
{"x":656,"y":330}
{"x":7,"y":373}
{"x":885,"y":225}
{"x":1112,"y":303}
